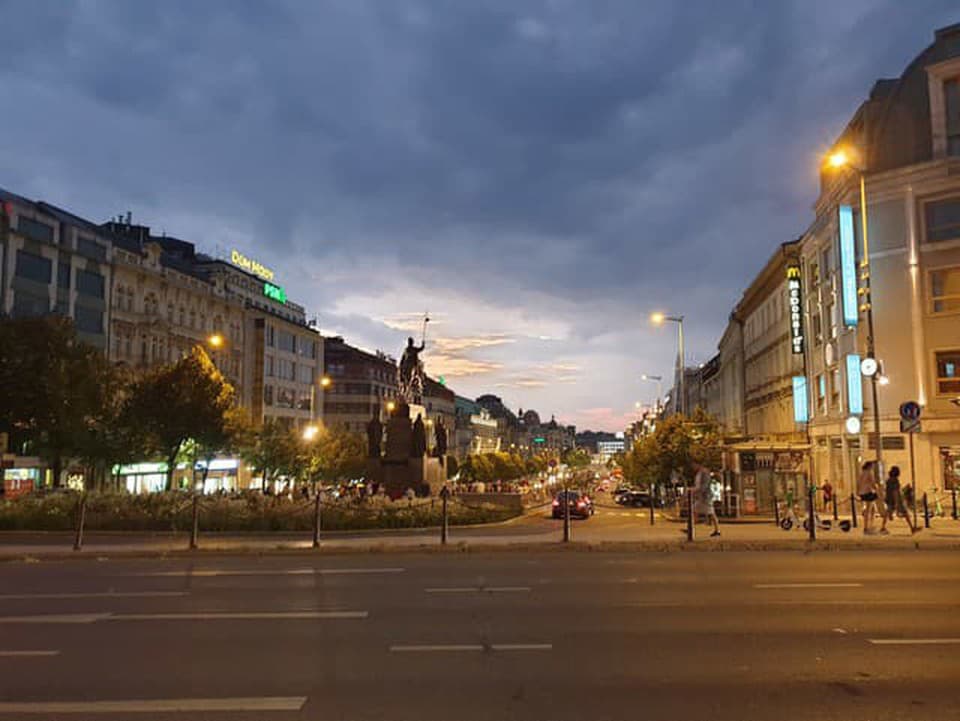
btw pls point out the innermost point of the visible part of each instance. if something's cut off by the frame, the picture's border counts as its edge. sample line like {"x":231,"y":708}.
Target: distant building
{"x":475,"y":430}
{"x":362,"y":385}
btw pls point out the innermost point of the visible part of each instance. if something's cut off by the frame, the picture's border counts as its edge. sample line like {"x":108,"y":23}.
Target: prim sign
{"x":795,"y":298}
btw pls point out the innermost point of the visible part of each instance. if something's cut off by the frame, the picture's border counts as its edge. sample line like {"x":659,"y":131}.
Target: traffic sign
{"x":909,"y":425}
{"x":910,"y":411}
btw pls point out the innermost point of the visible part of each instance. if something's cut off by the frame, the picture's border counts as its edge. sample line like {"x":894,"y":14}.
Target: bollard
{"x":853,"y":510}
{"x":444,"y":494}
{"x":836,"y":514}
{"x":195,"y":529}
{"x":652,"y":497}
{"x":566,"y":518}
{"x":81,"y":518}
{"x":811,"y":514}
{"x":689,"y":515}
{"x":316,"y":520}
{"x":954,"y":513}
{"x":926,"y":511}
{"x":776,"y":512}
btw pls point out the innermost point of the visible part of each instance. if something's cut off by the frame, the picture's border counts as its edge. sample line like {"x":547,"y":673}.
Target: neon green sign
{"x":275,"y":292}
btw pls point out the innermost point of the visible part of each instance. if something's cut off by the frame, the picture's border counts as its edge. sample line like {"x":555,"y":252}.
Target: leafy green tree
{"x":677,"y":443}
{"x":334,"y":454}
{"x":57,"y":391}
{"x":189,"y":399}
{"x":273,"y":449}
{"x":576,"y":458}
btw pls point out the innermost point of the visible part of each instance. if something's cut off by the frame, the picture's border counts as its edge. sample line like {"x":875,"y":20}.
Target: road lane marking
{"x":27,"y":654}
{"x":438,"y":647}
{"x":166,"y":705}
{"x":104,"y":594}
{"x":808,"y":585}
{"x":239,"y":616}
{"x":522,"y":646}
{"x":213,"y":573}
{"x":913,"y":641}
{"x":478,"y":589}
{"x":56,"y":618}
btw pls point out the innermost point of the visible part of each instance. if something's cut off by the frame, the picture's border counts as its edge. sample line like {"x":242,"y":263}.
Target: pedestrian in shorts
{"x":893,"y":498}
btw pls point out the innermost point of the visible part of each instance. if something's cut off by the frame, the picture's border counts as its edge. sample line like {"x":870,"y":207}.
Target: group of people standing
{"x":869,"y":491}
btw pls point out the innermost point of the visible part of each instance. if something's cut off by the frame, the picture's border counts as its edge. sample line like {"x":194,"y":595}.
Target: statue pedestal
{"x":398,"y":470}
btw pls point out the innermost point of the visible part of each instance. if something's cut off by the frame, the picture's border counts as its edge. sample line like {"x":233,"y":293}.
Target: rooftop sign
{"x":249,"y":264}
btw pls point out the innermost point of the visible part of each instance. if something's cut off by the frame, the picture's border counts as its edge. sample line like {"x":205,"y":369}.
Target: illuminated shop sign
{"x":801,"y":408}
{"x":275,"y":292}
{"x":795,"y":297}
{"x":848,"y":267}
{"x":242,"y":261}
{"x":854,"y":385}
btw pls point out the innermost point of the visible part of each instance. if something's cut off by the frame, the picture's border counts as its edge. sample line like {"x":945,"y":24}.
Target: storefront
{"x":950,"y":467}
{"x":21,"y":481}
{"x":222,"y":476}
{"x":142,"y":477}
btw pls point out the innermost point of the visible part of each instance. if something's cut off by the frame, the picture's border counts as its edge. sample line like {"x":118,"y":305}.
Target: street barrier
{"x":444,"y":495}
{"x":926,"y":511}
{"x":195,"y":523}
{"x":689,"y":515}
{"x":811,"y":512}
{"x":650,"y":491}
{"x":317,"y":519}
{"x":836,"y":515}
{"x":853,"y":509}
{"x":953,"y":494}
{"x":81,"y":518}
{"x":776,"y":512}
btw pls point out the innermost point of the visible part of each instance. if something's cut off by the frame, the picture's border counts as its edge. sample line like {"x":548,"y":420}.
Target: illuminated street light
{"x":838,"y":159}
{"x":310,"y":432}
{"x":325,"y":381}
{"x":658,"y":318}
{"x":215,"y":340}
{"x":391,"y":406}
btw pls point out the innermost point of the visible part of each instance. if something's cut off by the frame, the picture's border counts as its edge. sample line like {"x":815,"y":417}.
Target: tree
{"x":58,"y":392}
{"x":272,"y":449}
{"x":676,"y":444}
{"x":176,"y":402}
{"x":576,"y":458}
{"x":335,"y":454}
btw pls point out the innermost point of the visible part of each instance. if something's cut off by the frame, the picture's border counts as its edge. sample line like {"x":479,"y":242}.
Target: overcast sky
{"x":539,"y":176}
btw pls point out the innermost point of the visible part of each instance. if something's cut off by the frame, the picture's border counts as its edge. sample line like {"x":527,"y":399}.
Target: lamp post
{"x":658,"y":319}
{"x":837,"y":160}
{"x":659,"y":381}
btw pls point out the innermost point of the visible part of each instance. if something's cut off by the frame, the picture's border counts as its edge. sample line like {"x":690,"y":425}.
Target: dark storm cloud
{"x":591,"y":159}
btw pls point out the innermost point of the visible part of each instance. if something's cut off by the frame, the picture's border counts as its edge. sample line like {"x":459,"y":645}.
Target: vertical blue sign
{"x":801,"y":406}
{"x":848,"y":267}
{"x":854,"y":385}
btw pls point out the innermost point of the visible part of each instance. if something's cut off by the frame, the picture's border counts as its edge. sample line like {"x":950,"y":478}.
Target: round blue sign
{"x":910,"y":411}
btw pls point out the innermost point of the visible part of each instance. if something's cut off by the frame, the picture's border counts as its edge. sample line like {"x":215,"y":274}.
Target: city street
{"x":521,"y":635}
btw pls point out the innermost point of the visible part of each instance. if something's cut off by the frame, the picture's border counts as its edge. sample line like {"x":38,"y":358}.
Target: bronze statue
{"x":374,"y":436}
{"x":410,"y":376}
{"x":418,"y":447}
{"x":440,"y":438}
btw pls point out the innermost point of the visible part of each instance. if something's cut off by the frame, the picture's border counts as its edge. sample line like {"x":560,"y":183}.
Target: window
{"x":814,"y":274}
{"x":945,"y":290}
{"x":286,"y":341}
{"x":33,"y":267}
{"x":285,"y":398}
{"x":268,"y":366}
{"x":948,"y":372}
{"x":27,"y":304}
{"x":308,"y":348}
{"x":832,"y":318}
{"x":305,"y":373}
{"x":951,"y":99}
{"x":817,"y":329}
{"x":88,"y":320}
{"x":269,"y":335}
{"x":35,"y":229}
{"x":943,"y":220}
{"x":826,"y":263}
{"x":286,"y":369}
{"x":91,"y":248}
{"x":89,"y":283}
{"x":62,"y":307}
{"x":268,"y":395}
{"x":63,"y":275}
{"x":304,"y":401}
{"x":835,"y":385}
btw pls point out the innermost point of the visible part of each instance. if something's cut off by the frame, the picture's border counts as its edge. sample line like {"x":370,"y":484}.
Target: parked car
{"x":579,"y":503}
{"x":636,"y":499}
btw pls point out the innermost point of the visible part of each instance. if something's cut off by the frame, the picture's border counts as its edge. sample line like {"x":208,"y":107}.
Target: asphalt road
{"x":504,"y":635}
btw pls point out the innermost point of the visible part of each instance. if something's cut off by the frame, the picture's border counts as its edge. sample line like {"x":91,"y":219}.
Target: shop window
{"x":948,"y":372}
{"x":945,"y":290}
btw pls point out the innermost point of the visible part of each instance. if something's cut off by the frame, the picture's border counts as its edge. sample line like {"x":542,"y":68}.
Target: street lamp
{"x":325,"y":381}
{"x":215,"y":340}
{"x":310,"y":432}
{"x":837,"y":160}
{"x":659,"y":381}
{"x":658,"y":319}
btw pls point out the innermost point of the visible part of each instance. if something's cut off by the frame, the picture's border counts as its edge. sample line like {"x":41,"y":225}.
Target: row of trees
{"x":489,"y":467}
{"x":63,"y":401}
{"x":667,"y":455}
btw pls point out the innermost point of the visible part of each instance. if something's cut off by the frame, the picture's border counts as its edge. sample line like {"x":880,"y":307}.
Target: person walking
{"x":867,"y":490}
{"x":893,"y":497}
{"x":703,"y":497}
{"x":827,"y":495}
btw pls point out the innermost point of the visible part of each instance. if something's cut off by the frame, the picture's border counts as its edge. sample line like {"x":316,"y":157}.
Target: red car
{"x":579,"y":503}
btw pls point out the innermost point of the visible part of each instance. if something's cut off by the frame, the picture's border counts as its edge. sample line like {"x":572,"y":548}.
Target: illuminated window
{"x":945,"y":290}
{"x":948,"y":372}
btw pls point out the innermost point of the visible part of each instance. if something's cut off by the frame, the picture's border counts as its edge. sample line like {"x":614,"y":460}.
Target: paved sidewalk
{"x":631,"y":531}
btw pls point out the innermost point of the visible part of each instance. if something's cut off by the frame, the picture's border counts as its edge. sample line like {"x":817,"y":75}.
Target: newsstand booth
{"x":765,"y":473}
